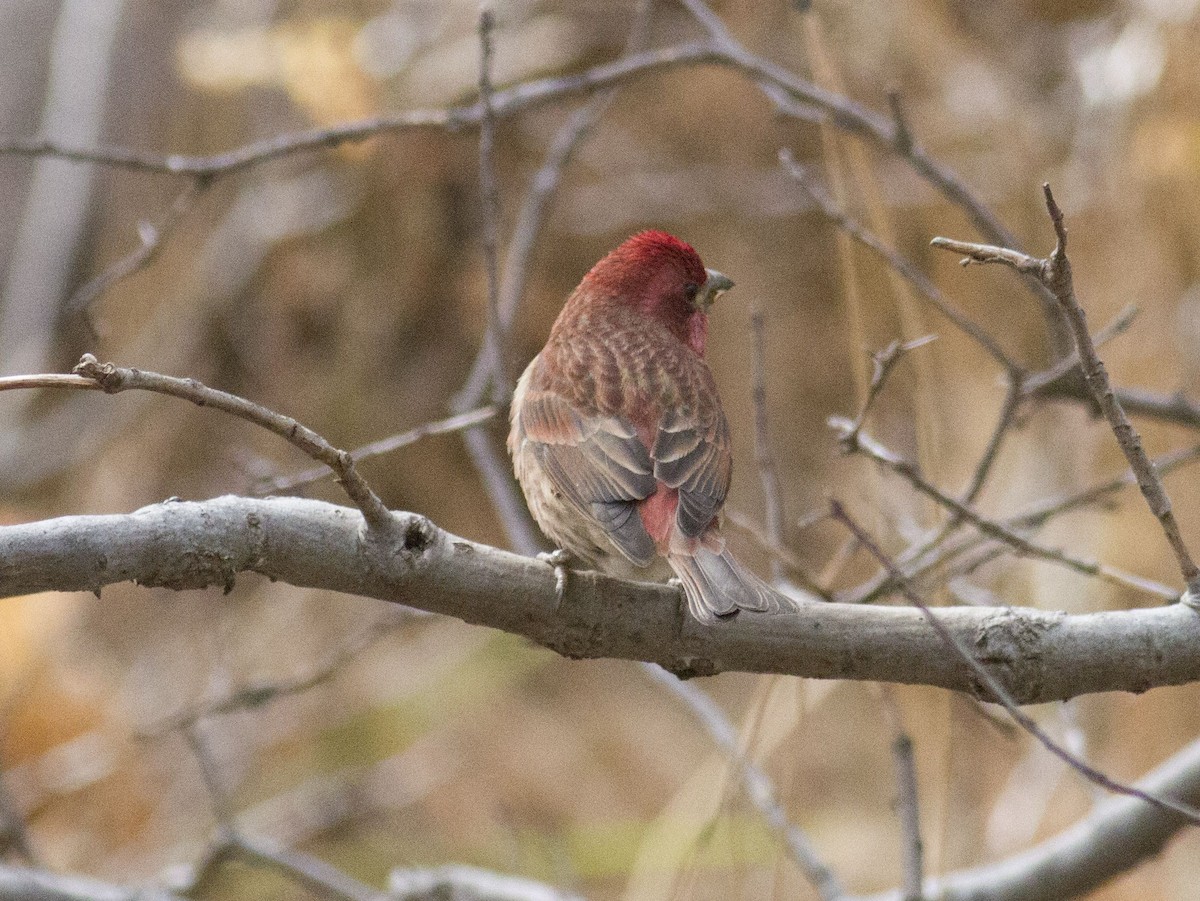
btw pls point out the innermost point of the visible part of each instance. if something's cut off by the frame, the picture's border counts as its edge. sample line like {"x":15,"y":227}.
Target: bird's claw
{"x":558,"y":558}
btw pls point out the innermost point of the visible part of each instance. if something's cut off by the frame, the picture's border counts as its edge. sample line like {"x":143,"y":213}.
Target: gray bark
{"x":1039,"y":656}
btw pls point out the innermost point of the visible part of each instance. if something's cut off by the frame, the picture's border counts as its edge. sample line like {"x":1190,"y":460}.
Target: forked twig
{"x":1054,"y":272}
{"x":115,"y":379}
{"x":992,"y":690}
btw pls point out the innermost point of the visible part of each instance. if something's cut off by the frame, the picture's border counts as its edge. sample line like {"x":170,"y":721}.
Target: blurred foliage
{"x":347,"y":289}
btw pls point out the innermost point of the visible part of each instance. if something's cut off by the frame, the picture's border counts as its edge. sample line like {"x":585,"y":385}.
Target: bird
{"x":617,"y":434}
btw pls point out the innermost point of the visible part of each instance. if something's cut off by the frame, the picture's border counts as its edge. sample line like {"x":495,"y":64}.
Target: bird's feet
{"x":558,"y":558}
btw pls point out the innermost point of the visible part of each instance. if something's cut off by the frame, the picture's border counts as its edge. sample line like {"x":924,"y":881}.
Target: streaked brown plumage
{"x":618,"y":438}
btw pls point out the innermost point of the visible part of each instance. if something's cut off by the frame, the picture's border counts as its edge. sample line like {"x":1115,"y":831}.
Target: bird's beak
{"x":714,"y":286}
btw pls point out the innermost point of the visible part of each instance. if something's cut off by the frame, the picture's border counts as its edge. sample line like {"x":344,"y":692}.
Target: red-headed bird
{"x":618,"y":438}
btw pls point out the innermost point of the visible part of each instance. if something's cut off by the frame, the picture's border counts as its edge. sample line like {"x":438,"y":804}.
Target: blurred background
{"x":347,"y":288}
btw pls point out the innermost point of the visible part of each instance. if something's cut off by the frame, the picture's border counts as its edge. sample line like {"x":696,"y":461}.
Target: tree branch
{"x":1118,"y":835}
{"x":1037,"y":655}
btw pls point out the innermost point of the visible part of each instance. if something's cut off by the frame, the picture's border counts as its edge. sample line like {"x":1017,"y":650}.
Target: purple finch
{"x":618,"y":438}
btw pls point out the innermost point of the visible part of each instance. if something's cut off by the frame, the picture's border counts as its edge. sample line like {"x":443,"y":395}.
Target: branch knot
{"x":106,"y":375}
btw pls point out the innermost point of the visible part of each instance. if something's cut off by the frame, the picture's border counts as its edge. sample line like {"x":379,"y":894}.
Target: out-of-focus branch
{"x":767,"y":474}
{"x":28,"y":884}
{"x":1054,"y":272}
{"x":469,"y":884}
{"x":907,"y":805}
{"x":1177,"y":408}
{"x":489,"y":196}
{"x":258,"y":694}
{"x":150,"y":238}
{"x":1119,"y":834}
{"x":1038,"y":656}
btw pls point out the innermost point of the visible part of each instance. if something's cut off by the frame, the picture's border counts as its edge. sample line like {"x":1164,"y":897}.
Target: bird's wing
{"x":692,"y":454}
{"x":597,"y":463}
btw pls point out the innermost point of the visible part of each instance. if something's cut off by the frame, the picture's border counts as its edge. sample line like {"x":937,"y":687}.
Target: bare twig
{"x":1175,"y":408}
{"x":218,"y":796}
{"x":47,"y":380}
{"x":151,"y":238}
{"x":384,"y":446}
{"x":1041,"y":513}
{"x":993,"y":690}
{"x":1055,"y":273}
{"x":114,"y":379}
{"x":30,"y":884}
{"x":855,"y":441}
{"x":902,"y":132}
{"x":882,"y":364}
{"x":910,"y":819}
{"x":901,"y":264}
{"x":303,"y":869}
{"x":1040,"y":383}
{"x":464,"y":883}
{"x":314,"y":874}
{"x":1004,"y":423}
{"x":920,"y":557}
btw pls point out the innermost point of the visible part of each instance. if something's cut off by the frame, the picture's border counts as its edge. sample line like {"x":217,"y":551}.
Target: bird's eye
{"x":691,"y":289}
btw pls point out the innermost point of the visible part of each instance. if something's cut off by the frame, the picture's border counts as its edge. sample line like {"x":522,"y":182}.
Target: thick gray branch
{"x":1038,"y":656}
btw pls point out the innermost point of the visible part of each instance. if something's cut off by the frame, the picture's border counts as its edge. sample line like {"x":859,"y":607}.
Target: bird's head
{"x":663,"y":278}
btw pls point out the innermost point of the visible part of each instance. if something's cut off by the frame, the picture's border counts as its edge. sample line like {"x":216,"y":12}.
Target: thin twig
{"x":47,"y":380}
{"x":456,"y":423}
{"x":919,"y":558}
{"x":855,"y":441}
{"x":882,"y":363}
{"x":907,"y":803}
{"x":1040,"y":382}
{"x":902,"y":134}
{"x":897,"y":261}
{"x":218,"y":797}
{"x":1004,"y":424}
{"x":997,"y":692}
{"x":151,"y":238}
{"x":1041,"y":513}
{"x":115,"y":379}
{"x":767,"y":474}
{"x":314,"y":874}
{"x":1019,"y":388}
{"x":1055,"y":273}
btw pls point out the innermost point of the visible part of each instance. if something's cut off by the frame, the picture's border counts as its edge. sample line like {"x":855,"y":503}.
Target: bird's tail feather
{"x":717,"y":586}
